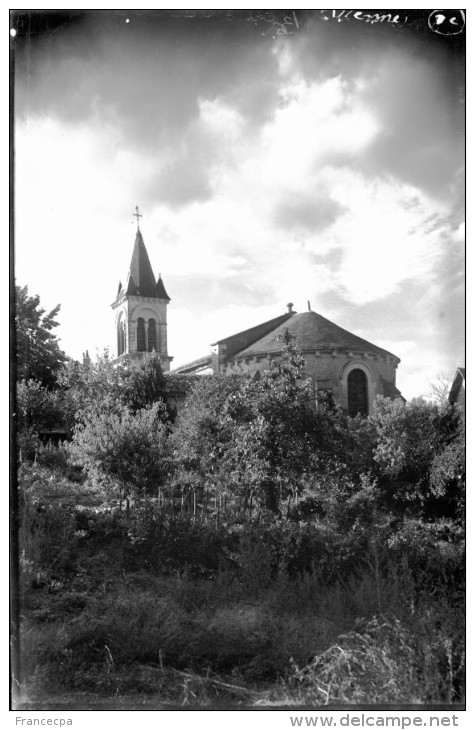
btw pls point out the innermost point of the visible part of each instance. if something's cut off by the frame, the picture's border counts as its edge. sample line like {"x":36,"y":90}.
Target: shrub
{"x":386,"y":661}
{"x":420,"y":454}
{"x":125,"y":450}
{"x":47,"y":543}
{"x":434,"y":552}
{"x":54,"y":457}
{"x":104,"y":385}
{"x":163,"y":544}
{"x":28,"y":444}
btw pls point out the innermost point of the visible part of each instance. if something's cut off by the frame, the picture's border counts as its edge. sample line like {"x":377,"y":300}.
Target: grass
{"x":189,"y":642}
{"x":94,"y":628}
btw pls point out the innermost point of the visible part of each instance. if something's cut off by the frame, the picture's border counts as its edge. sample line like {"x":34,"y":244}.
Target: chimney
{"x":289,"y":308}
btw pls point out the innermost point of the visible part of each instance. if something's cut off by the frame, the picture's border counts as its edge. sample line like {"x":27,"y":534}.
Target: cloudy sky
{"x":276,"y":158}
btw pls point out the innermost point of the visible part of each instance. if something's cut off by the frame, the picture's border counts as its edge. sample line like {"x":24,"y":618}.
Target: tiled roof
{"x":457,"y":383}
{"x":241,"y":340}
{"x":390,"y":391}
{"x":140,"y":280}
{"x":311,"y":332}
{"x":195,"y":365}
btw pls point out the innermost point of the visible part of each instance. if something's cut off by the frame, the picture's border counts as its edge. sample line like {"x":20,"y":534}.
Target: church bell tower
{"x":141,"y":308}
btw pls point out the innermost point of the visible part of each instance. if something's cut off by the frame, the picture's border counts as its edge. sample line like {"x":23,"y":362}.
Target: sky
{"x":286,"y":157}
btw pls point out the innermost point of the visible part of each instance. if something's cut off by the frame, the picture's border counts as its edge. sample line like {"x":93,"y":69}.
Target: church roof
{"x":195,"y":366}
{"x":311,"y":332}
{"x":140,"y":279}
{"x":390,"y":391}
{"x":457,"y":383}
{"x":241,"y":340}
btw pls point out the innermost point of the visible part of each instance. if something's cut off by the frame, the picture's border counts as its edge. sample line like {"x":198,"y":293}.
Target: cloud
{"x":322,"y":166}
{"x":413,"y":90}
{"x":419,"y":119}
{"x":296,"y":212}
{"x":147,"y":79}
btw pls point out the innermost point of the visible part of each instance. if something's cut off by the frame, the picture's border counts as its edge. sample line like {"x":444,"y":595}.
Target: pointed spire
{"x":140,"y":280}
{"x":141,"y":274}
{"x":160,"y":289}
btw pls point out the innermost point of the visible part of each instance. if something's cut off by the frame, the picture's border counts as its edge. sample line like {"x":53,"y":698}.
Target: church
{"x":351,"y":369}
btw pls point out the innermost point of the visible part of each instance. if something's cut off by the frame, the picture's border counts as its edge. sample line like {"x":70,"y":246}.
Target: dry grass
{"x":250,"y":636}
{"x":298,"y":643}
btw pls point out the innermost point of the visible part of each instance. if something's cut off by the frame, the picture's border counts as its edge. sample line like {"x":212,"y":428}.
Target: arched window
{"x":162,"y":346}
{"x":120,"y":337}
{"x":140,"y":335}
{"x":357,"y":393}
{"x":152,"y":335}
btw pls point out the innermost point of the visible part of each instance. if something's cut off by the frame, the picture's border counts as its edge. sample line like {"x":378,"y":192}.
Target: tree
{"x":107,"y":385}
{"x":124,"y":450}
{"x":419,"y":450}
{"x":276,"y":430}
{"x":439,"y":389}
{"x":252,"y":436}
{"x":144,"y":383}
{"x":39,"y":356}
{"x":201,"y":439}
{"x":37,"y":406}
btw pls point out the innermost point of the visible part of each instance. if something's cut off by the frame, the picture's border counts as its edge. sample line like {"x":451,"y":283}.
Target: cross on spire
{"x":138,"y":216}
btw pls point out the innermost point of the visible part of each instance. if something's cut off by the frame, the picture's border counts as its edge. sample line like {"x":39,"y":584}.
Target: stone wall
{"x":329,"y":370}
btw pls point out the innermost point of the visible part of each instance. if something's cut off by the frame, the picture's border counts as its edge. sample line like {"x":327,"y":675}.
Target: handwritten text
{"x":362,"y":17}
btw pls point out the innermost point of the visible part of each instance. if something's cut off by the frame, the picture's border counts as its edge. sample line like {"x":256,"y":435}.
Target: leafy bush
{"x":163,"y":544}
{"x":253,"y":435}
{"x":48,"y":542}
{"x":420,"y":454}
{"x":125,"y":450}
{"x":433,"y":551}
{"x":107,"y":384}
{"x":37,"y":406}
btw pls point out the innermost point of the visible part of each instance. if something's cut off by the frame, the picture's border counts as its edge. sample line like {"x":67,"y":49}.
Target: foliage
{"x":107,"y":385}
{"x":47,"y":536}
{"x":405,"y":436}
{"x":365,"y":666}
{"x":39,"y":356}
{"x":447,"y":473}
{"x":352,"y":606}
{"x":420,"y":452}
{"x":163,"y":544}
{"x":202,"y":432}
{"x":144,"y":383}
{"x":323,"y":558}
{"x":124,"y":449}
{"x":300,"y":642}
{"x":28,"y":444}
{"x":252,"y":434}
{"x":37,"y":406}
